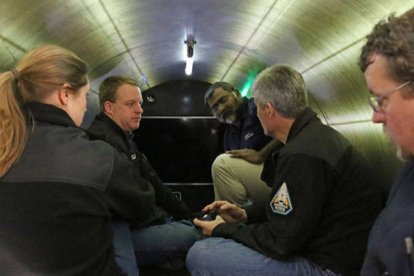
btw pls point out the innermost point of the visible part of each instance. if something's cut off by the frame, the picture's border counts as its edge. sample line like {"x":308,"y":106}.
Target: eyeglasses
{"x":376,"y":102}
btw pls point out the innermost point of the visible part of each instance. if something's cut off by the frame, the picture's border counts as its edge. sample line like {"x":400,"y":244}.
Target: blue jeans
{"x":159,"y":244}
{"x":124,"y":249}
{"x":218,"y":256}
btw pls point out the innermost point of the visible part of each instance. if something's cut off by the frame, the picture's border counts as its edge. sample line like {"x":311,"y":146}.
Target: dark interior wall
{"x":177,"y":133}
{"x":176,"y":98}
{"x":181,"y":150}
{"x":181,"y":138}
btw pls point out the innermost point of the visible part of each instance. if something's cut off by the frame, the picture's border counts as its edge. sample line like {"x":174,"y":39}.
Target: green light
{"x":245,"y":92}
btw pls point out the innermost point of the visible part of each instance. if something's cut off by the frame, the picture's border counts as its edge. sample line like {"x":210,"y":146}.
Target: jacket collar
{"x":301,"y":121}
{"x":244,"y":111}
{"x":104,"y":128}
{"x":46,"y":113}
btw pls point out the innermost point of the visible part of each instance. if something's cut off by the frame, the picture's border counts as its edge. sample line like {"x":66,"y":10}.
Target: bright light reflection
{"x":189,"y":65}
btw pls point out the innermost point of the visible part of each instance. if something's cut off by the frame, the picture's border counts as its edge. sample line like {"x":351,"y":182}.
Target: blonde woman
{"x":58,"y":195}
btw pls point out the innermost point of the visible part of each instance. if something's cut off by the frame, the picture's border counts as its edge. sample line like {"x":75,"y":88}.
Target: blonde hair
{"x":37,"y":75}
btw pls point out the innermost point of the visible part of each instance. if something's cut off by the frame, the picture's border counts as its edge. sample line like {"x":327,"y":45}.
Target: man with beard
{"x":236,"y":173}
{"x":387,"y":61}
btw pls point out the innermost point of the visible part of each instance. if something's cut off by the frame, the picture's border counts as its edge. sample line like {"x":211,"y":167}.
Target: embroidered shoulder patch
{"x":281,"y":203}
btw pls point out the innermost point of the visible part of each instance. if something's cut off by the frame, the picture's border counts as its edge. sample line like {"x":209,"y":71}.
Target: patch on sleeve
{"x":248,"y":135}
{"x":281,"y":203}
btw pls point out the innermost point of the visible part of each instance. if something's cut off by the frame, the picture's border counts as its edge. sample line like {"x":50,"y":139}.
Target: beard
{"x":229,"y":117}
{"x":404,"y":155}
{"x":401,"y":153}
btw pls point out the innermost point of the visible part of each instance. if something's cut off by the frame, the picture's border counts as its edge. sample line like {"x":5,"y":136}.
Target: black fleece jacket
{"x":322,"y":205}
{"x":106,"y":129}
{"x":58,"y":201}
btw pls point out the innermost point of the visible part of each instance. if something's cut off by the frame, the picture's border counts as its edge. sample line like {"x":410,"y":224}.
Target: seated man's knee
{"x":220,"y":163}
{"x":196,"y":258}
{"x":210,"y":255}
{"x":188,"y":234}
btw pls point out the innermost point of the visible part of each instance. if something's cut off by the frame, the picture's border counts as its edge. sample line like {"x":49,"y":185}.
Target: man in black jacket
{"x":322,"y":206}
{"x":161,"y":237}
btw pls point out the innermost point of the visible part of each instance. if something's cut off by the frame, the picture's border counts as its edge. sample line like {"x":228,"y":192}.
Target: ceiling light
{"x":189,"y":60}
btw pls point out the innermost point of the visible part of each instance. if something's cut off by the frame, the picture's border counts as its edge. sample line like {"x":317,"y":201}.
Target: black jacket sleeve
{"x":129,"y":195}
{"x":164,"y":196}
{"x":283,"y":235}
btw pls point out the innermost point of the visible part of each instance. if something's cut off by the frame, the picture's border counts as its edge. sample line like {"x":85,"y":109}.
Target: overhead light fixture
{"x":189,"y":59}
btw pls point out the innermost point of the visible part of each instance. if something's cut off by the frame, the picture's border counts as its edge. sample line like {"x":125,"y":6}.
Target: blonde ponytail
{"x":38,"y":74}
{"x":13,"y":130}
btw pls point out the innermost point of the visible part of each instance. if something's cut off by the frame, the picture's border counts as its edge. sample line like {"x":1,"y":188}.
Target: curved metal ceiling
{"x":235,"y":41}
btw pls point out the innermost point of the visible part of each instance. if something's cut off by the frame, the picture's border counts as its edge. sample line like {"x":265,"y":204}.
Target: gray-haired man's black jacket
{"x":322,"y":205}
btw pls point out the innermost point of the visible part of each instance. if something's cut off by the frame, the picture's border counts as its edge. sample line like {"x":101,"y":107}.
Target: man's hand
{"x":226,"y":213}
{"x":250,"y":155}
{"x":207,"y":227}
{"x":229,"y":212}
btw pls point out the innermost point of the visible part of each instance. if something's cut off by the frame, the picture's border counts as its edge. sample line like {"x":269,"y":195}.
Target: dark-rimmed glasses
{"x":376,"y":102}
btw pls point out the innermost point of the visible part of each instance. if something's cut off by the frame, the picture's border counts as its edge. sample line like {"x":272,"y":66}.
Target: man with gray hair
{"x":322,"y":205}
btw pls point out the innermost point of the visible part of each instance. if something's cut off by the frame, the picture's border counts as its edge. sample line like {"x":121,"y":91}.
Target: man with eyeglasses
{"x":236,"y":173}
{"x":387,"y":61}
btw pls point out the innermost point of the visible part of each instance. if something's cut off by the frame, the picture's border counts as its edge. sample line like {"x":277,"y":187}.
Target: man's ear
{"x":270,"y":109}
{"x":107,"y":107}
{"x":63,"y":93}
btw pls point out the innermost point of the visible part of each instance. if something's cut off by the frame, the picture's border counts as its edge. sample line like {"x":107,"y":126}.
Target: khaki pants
{"x":237,"y":180}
